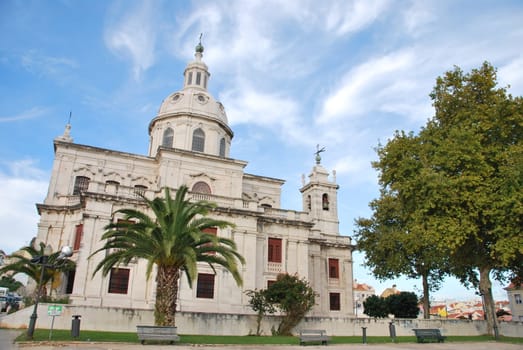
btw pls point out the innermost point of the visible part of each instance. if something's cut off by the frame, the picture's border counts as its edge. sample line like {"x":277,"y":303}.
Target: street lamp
{"x":42,"y":260}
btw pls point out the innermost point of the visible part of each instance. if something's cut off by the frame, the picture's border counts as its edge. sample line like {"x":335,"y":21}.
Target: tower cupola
{"x":191,"y":119}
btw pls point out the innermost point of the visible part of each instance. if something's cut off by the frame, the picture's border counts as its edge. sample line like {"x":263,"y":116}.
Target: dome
{"x":194,"y":102}
{"x":191,"y":119}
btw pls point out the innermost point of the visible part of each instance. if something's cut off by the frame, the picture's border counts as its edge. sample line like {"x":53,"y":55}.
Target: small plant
{"x":260,"y":305}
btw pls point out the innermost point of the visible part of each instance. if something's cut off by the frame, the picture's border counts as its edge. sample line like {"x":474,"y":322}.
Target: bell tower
{"x":320,"y":198}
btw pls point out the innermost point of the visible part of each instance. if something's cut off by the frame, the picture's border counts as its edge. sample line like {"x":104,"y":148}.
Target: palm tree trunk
{"x":166,"y":295}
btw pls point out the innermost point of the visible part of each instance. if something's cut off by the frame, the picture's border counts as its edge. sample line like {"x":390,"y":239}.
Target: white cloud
{"x":357,"y":169}
{"x":271,"y":111}
{"x":32,"y":113}
{"x":369,"y":86}
{"x":134,"y":36}
{"x":23,"y":185}
{"x":35,"y":61}
{"x":351,"y":16}
{"x":512,"y":74}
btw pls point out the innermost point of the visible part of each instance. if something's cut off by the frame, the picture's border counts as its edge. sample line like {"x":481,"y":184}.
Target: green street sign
{"x":54,"y":310}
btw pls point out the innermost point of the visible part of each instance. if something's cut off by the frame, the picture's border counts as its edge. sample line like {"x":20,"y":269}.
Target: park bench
{"x":313,"y":335}
{"x":430,"y":335}
{"x":157,"y":333}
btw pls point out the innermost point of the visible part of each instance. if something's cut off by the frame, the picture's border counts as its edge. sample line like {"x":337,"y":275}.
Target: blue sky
{"x":291,"y":74}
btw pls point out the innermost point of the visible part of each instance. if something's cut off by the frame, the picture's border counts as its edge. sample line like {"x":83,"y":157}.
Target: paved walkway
{"x":7,"y":337}
{"x":432,"y":346}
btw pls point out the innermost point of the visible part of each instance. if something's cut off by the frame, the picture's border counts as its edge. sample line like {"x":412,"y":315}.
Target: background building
{"x":515,"y":299}
{"x":189,"y":144}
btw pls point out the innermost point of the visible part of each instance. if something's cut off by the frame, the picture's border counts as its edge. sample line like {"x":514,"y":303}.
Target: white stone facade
{"x":190,"y":145}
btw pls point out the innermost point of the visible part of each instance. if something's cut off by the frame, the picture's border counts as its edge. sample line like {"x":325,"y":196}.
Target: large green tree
{"x":396,"y":240}
{"x":474,"y":148}
{"x":28,"y":261}
{"x":174,"y":241}
{"x":466,"y":169}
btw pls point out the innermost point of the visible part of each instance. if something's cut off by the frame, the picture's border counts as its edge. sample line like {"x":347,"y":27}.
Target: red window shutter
{"x":205,"y":286}
{"x":334,"y":268}
{"x":211,"y":230}
{"x":119,"y":281}
{"x":334,"y":299}
{"x":274,"y":254}
{"x":78,"y":236}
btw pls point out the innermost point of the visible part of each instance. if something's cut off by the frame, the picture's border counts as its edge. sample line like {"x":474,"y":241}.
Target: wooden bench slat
{"x":428,"y":334}
{"x":157,"y":333}
{"x":313,"y":335}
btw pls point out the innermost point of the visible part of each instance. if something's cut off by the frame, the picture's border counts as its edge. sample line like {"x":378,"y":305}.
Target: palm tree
{"x":28,"y":260}
{"x":174,"y":240}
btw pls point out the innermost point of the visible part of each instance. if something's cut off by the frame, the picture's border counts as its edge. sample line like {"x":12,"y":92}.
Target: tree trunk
{"x":426,"y":296}
{"x":485,"y":288}
{"x":166,"y":295}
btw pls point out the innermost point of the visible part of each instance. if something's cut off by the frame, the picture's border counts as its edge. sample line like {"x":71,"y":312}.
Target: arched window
{"x":201,"y":187}
{"x":168,"y":136}
{"x":198,"y":140}
{"x":325,"y":201}
{"x":198,"y":78}
{"x":222,"y":147}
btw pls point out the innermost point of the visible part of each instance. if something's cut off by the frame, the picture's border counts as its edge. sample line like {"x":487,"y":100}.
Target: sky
{"x":344,"y":74}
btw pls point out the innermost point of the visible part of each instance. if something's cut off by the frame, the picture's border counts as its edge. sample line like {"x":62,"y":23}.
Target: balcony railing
{"x":274,"y":267}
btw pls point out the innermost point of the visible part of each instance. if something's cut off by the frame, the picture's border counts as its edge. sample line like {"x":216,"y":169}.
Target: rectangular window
{"x":274,"y":254}
{"x":334,"y":268}
{"x":79,"y":232}
{"x":211,"y":231}
{"x":81,"y":184}
{"x":198,"y":78}
{"x":270,"y":283}
{"x":189,"y":79}
{"x":119,"y":281}
{"x":517,"y":298}
{"x":205,"y":287}
{"x":334,"y":299}
{"x":70,"y":282}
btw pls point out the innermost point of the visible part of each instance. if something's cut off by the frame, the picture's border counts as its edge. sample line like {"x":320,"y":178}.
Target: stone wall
{"x":125,"y":320}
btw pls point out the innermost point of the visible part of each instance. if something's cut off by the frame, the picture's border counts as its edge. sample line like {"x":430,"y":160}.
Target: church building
{"x":189,"y":144}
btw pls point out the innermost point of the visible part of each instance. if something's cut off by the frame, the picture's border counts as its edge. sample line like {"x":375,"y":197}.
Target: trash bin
{"x":75,"y":326}
{"x":392,"y":331}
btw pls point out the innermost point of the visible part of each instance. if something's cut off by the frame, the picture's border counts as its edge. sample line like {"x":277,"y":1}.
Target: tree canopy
{"x":174,"y":240}
{"x":294,"y":297}
{"x":396,"y":239}
{"x":455,"y":186}
{"x":28,"y":261}
{"x":401,"y":305}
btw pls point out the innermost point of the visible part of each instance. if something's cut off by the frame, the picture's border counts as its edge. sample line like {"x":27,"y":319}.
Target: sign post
{"x":53,"y":310}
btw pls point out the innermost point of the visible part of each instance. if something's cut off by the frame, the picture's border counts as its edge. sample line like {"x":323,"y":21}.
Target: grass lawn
{"x":131,"y":337}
